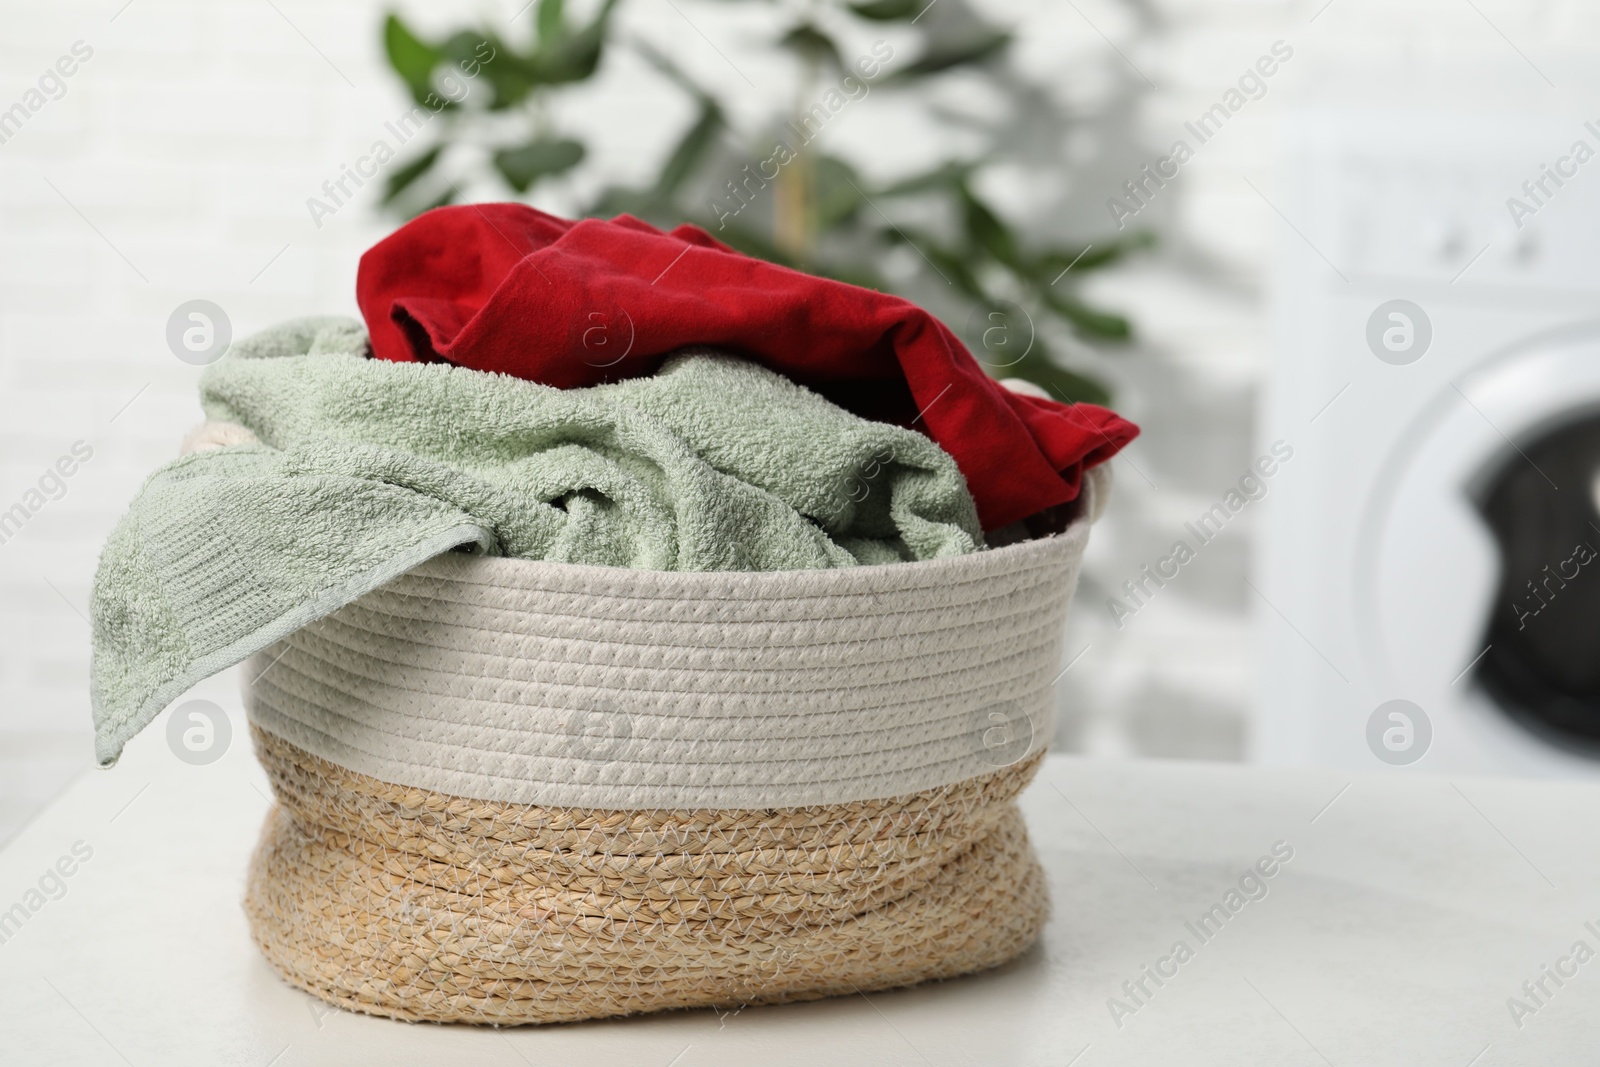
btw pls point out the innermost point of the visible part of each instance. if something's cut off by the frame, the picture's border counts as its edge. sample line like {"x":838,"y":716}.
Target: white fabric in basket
{"x":562,"y":685}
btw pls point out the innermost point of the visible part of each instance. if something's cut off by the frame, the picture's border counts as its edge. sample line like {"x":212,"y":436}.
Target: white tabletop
{"x":1412,"y":909}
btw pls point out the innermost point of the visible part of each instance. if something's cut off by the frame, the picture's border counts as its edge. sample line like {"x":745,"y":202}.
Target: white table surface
{"x":1413,"y":908}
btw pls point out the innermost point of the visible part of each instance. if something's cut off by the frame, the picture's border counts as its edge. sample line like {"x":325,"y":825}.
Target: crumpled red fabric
{"x":507,"y":288}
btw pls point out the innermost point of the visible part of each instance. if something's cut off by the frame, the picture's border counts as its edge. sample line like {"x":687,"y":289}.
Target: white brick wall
{"x":189,"y":140}
{"x":193,"y":136}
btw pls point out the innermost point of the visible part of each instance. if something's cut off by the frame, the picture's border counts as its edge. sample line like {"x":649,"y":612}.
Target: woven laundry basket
{"x":521,"y":792}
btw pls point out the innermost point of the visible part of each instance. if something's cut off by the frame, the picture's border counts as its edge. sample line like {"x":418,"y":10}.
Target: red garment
{"x":503,"y":287}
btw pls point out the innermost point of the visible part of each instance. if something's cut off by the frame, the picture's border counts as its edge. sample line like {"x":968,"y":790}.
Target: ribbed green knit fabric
{"x":362,"y":469}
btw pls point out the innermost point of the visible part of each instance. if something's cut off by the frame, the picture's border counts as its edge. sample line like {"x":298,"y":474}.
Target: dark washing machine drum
{"x":1543,"y":663}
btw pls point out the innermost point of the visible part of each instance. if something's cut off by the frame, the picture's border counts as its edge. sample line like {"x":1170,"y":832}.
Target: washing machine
{"x":1427,"y":577}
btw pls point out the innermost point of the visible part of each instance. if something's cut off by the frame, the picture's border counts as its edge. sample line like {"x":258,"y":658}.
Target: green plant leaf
{"x":888,"y":10}
{"x":686,"y":157}
{"x":402,"y":179}
{"x":951,"y":266}
{"x":670,"y":70}
{"x":464,"y":46}
{"x":812,"y":45}
{"x":446,"y":197}
{"x":691,"y":150}
{"x":941,"y":58}
{"x":945,"y":176}
{"x":550,"y":23}
{"x":1087,"y":321}
{"x":838,"y":196}
{"x":574,"y":56}
{"x":409,"y":56}
{"x":742,"y":239}
{"x":986,"y":231}
{"x":1047,"y":268}
{"x":959,"y":239}
{"x":538,"y":159}
{"x":620,"y":200}
{"x":511,"y":77}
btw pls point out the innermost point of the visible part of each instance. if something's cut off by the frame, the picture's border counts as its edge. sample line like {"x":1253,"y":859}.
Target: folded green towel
{"x":361,"y":469}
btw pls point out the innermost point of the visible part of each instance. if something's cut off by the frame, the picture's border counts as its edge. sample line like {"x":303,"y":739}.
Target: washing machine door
{"x":1543,"y":662}
{"x":1478,"y":564}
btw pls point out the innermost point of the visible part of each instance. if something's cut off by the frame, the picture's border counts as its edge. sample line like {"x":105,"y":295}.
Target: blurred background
{"x":1336,"y":257}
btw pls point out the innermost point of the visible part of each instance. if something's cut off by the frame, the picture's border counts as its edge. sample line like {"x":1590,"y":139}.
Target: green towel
{"x":362,"y":469}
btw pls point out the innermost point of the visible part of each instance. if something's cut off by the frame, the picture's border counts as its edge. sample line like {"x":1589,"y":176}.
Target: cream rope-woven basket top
{"x":555,"y":684}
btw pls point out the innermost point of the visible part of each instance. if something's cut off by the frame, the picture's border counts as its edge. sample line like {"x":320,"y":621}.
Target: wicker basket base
{"x":416,"y":905}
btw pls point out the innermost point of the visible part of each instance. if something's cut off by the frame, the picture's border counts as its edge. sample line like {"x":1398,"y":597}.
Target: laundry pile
{"x":597,"y":526}
{"x":501,"y":287}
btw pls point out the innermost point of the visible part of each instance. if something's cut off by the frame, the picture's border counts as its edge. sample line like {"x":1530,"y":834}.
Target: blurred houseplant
{"x":773,"y":190}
